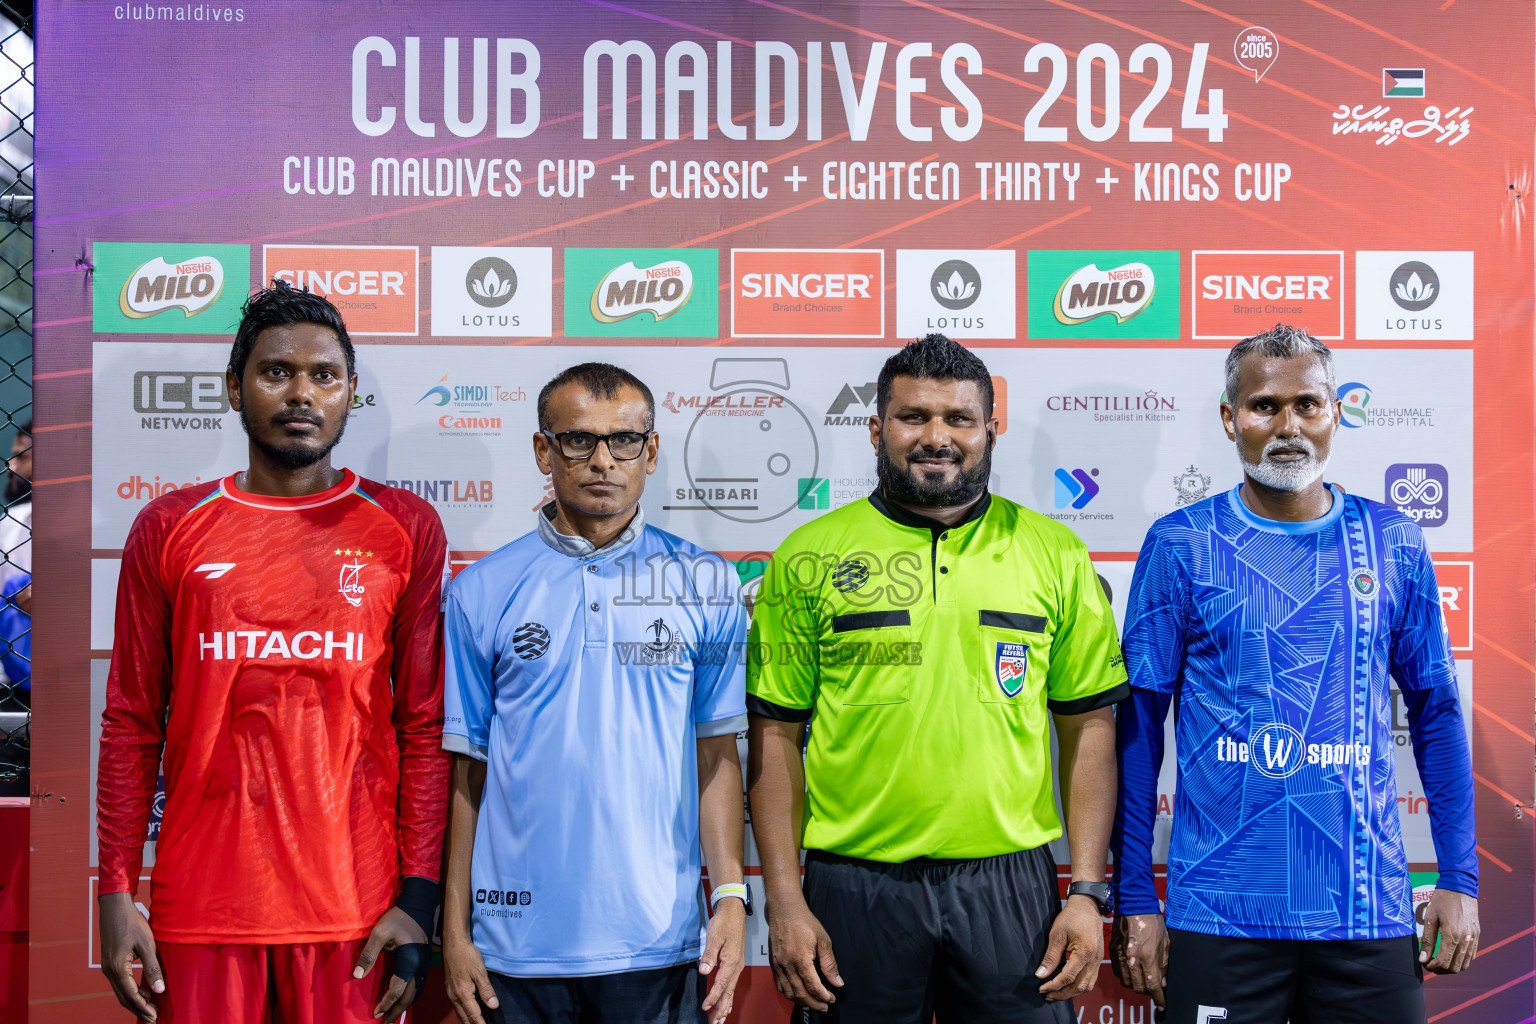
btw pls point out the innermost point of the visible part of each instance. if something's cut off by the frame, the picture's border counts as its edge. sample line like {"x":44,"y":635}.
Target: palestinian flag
{"x":1402,"y":82}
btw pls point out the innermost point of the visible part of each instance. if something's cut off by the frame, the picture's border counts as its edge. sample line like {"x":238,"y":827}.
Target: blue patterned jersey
{"x":1276,"y":641}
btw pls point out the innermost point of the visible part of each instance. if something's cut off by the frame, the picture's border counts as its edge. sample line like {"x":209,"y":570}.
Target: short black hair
{"x":602,"y":380}
{"x":284,"y":304}
{"x":933,"y":357}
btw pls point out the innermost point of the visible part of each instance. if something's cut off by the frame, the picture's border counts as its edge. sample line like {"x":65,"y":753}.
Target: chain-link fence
{"x":16,"y":192}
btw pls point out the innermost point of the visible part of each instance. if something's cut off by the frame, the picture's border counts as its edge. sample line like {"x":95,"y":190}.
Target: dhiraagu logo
{"x":1104,"y":294}
{"x":148,"y":288}
{"x":637,"y":293}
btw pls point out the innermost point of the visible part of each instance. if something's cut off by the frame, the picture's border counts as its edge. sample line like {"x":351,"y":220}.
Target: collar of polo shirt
{"x":906,"y":517}
{"x":580,"y":547}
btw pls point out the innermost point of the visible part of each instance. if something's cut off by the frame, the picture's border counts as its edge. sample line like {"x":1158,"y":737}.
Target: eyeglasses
{"x":580,"y":444}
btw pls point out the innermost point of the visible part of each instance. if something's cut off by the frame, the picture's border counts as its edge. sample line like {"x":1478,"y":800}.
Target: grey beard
{"x":1282,"y":476}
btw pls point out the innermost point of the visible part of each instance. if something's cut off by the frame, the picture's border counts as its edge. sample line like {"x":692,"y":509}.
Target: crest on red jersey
{"x":347,"y":584}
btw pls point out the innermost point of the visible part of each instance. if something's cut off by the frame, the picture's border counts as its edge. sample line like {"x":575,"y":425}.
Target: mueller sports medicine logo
{"x":1413,"y":295}
{"x":188,"y":285}
{"x":168,"y":289}
{"x":1421,"y":491}
{"x":629,"y":290}
{"x":1104,"y":294}
{"x":965,"y":293}
{"x":1239,"y":294}
{"x":491,"y":291}
{"x":373,"y":286}
{"x":180,"y":399}
{"x":1278,"y":751}
{"x":641,"y":293}
{"x":808,"y":293}
{"x":1120,"y":292}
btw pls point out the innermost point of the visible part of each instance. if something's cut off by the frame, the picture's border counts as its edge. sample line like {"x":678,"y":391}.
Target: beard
{"x":294,"y":456}
{"x":1285,"y":476}
{"x":914,"y":487}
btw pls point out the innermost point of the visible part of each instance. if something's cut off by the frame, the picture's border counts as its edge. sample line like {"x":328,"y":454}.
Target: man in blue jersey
{"x":1271,"y":617}
{"x":594,"y":692}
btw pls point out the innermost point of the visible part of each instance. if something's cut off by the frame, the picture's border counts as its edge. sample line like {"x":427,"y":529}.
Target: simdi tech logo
{"x":1104,"y":294}
{"x":1237,"y":294}
{"x":642,"y":293}
{"x":962,"y":293}
{"x":374,"y":286}
{"x":155,"y":288}
{"x":808,"y":293}
{"x":1414,"y":295}
{"x":491,"y":292}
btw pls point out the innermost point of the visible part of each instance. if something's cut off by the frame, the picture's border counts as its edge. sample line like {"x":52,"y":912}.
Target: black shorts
{"x":959,"y":939}
{"x":665,"y":995}
{"x":1214,"y":979}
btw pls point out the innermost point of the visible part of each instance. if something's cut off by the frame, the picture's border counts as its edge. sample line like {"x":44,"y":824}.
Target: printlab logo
{"x":347,"y":582}
{"x":1191,"y":486}
{"x":530,"y":641}
{"x":1415,"y":286}
{"x":1277,"y":751}
{"x":1420,"y":491}
{"x":1418,"y":295}
{"x":955,"y":284}
{"x":1104,"y":294}
{"x":491,"y":292}
{"x":967,"y":293}
{"x":815,"y":493}
{"x":1404,"y":82}
{"x":851,"y":397}
{"x":749,"y":449}
{"x":491,"y":282}
{"x":167,"y":289}
{"x":1075,"y":488}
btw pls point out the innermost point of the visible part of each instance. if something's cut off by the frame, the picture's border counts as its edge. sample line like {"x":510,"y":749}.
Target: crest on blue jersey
{"x":850,"y":575}
{"x":1011,"y":666}
{"x":1364,"y":584}
{"x":530,"y":641}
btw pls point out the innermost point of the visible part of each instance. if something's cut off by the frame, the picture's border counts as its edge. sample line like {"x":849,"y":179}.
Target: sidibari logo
{"x":955,"y":284}
{"x":491,"y":282}
{"x":1088,"y":292}
{"x":628,"y":290}
{"x":157,"y":286}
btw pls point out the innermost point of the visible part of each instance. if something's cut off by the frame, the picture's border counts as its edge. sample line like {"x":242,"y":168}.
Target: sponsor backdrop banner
{"x":750,"y":205}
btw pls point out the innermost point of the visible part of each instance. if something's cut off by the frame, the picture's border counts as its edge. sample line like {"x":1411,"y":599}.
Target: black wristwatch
{"x":1101,"y":893}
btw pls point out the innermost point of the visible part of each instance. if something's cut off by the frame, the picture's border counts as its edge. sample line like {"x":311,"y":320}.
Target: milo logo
{"x":628,"y":290}
{"x":1120,"y":292}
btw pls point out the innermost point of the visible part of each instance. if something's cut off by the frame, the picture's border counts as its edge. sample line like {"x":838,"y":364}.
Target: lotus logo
{"x":955,"y":284}
{"x":491,"y":282}
{"x":1414,"y":286}
{"x":530,"y":641}
{"x":1278,"y":751}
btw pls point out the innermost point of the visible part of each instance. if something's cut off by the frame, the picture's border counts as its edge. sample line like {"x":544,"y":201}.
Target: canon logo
{"x":1265,"y":286}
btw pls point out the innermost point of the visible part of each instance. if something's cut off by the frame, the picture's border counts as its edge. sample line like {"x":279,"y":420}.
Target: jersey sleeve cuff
{"x":778,"y":712}
{"x":1463,"y":882}
{"x":720,"y":727}
{"x":1092,"y":702}
{"x":454,"y":743}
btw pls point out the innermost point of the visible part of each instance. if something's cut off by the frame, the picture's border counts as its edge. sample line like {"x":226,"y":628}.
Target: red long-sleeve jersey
{"x":285,"y":653}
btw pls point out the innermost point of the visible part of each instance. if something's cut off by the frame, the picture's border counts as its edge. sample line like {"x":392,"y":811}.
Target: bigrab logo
{"x":374,"y":287}
{"x":808,"y":293}
{"x":1120,"y":292}
{"x":628,"y":290}
{"x":638,"y":293}
{"x":1239,"y":294}
{"x":168,"y":289}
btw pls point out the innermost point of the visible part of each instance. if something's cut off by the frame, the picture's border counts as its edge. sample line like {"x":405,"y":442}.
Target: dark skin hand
{"x":925,"y":416}
{"x":125,"y":937}
{"x":1138,"y":952}
{"x":1450,"y":918}
{"x":395,"y":929}
{"x":1278,"y":399}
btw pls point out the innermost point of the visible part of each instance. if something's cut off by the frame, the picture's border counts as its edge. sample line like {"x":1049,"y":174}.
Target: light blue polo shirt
{"x":582,"y":678}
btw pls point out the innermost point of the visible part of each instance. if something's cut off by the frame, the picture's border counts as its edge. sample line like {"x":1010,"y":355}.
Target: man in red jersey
{"x":277,"y":638}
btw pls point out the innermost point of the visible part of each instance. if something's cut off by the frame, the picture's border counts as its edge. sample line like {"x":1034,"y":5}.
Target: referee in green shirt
{"x":930,"y":634}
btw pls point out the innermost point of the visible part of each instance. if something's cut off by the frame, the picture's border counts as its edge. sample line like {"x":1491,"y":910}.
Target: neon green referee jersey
{"x":929,"y":659}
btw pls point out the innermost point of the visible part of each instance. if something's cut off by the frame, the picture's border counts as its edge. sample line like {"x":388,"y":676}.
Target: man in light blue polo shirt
{"x":594,"y":692}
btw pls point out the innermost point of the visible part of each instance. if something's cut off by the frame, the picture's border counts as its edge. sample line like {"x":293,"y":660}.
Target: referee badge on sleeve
{"x":1012,"y":665}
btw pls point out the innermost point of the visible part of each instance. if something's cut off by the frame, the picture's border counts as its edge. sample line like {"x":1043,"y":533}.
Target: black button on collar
{"x":943,"y":568}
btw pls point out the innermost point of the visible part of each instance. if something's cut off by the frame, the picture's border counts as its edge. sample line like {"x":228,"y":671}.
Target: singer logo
{"x":373,"y":286}
{"x":1455,"y":582}
{"x":1239,"y":294}
{"x":808,"y":293}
